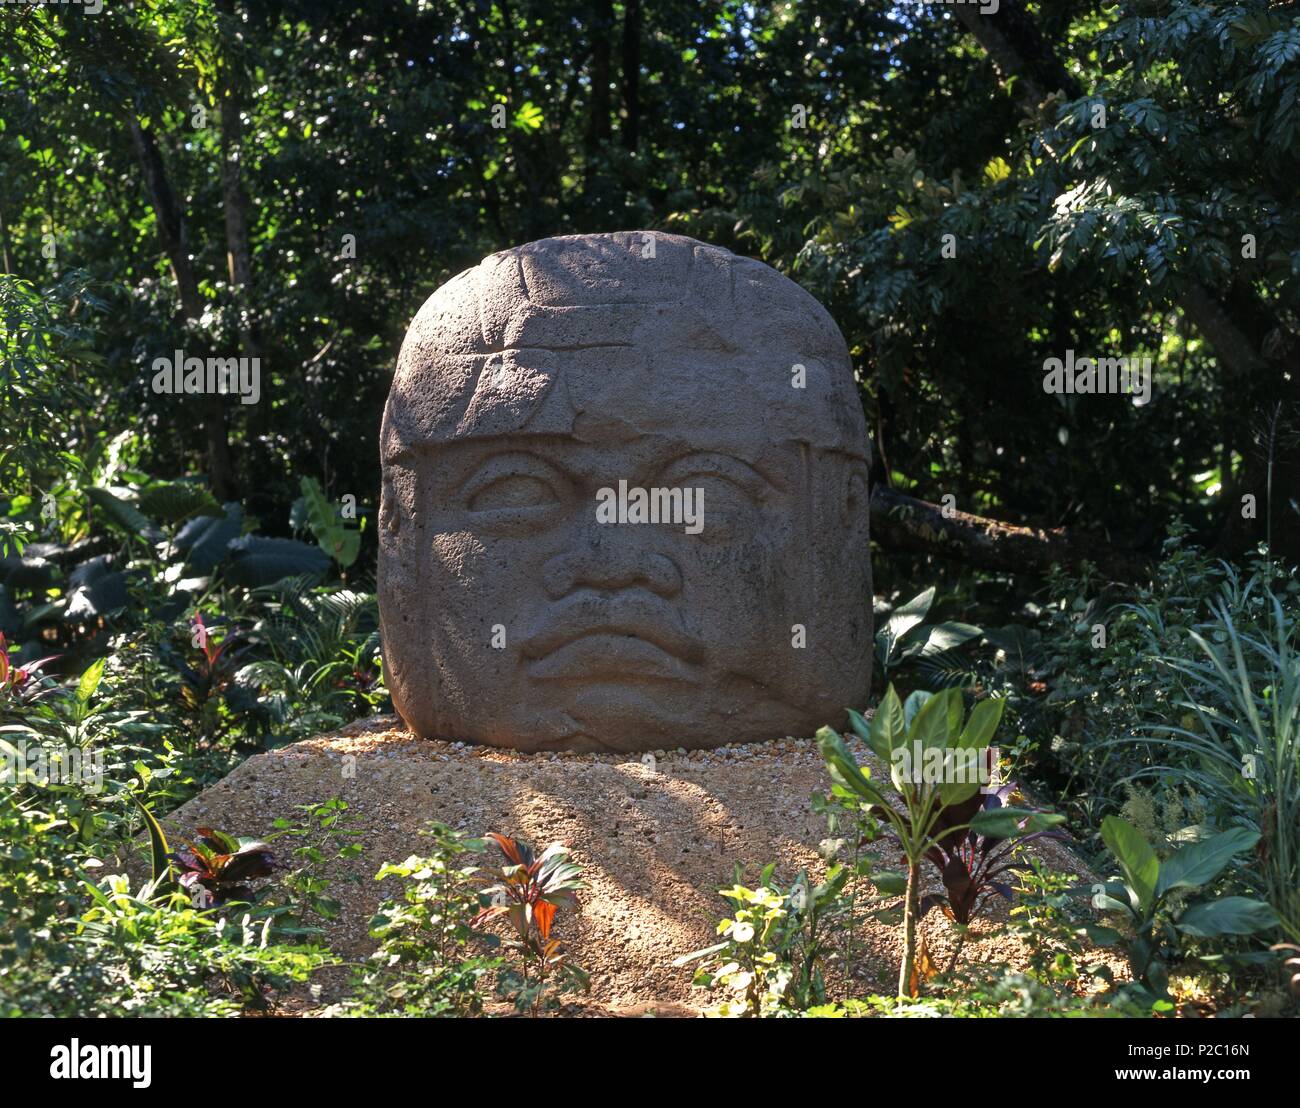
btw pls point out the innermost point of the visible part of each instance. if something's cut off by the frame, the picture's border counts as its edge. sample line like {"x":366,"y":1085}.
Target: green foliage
{"x":430,"y":960}
{"x":46,"y":349}
{"x":1241,"y":752}
{"x":72,"y":943}
{"x":1052,"y":916}
{"x":905,"y":638}
{"x":324,"y":835}
{"x":1090,"y":683}
{"x":1143,"y":899}
{"x":769,"y":962}
{"x":850,"y":827}
{"x":911,"y":738}
{"x":1003,"y":995}
{"x":137,"y":954}
{"x":340,"y":542}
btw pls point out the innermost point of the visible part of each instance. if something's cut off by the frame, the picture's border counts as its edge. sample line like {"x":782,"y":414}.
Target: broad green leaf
{"x":939,"y":637}
{"x":340,"y":542}
{"x":913,"y":704}
{"x":889,"y":883}
{"x":930,"y":725}
{"x":1109,"y":899}
{"x":888,"y":728}
{"x":1136,"y":858}
{"x":173,"y":503}
{"x":983,"y":722}
{"x":205,"y":540}
{"x":1100,"y":935}
{"x":842,"y":767}
{"x":904,"y":618}
{"x":1005,"y":823}
{"x":90,"y":680}
{"x":256,"y":560}
{"x":877,"y":744}
{"x":124,"y":514}
{"x":1200,"y":863}
{"x":1231,"y":915}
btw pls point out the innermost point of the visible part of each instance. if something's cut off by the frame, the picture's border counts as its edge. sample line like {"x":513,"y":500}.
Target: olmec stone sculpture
{"x":549,"y":400}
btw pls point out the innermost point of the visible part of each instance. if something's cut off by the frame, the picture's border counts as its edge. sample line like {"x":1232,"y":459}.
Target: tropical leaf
{"x":1200,"y":863}
{"x":90,"y":679}
{"x":173,"y":503}
{"x":1135,"y":857}
{"x":160,"y":853}
{"x":256,"y":560}
{"x":205,"y":540}
{"x":888,"y":727}
{"x":340,"y":542}
{"x":124,"y":514}
{"x":1230,"y":915}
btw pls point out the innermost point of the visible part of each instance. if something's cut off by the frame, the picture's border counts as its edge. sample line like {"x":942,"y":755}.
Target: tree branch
{"x":903,"y":524}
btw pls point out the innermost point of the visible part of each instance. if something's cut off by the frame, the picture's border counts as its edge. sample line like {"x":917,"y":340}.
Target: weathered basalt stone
{"x":545,"y":403}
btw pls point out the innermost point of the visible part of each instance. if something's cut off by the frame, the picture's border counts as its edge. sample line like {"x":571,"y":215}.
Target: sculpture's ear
{"x":855,"y":505}
{"x":397,"y":501}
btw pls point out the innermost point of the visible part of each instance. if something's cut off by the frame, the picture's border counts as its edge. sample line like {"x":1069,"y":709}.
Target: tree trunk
{"x":1016,"y":48}
{"x":4,"y":244}
{"x":235,"y":204}
{"x":234,"y":198}
{"x":171,"y":232}
{"x":602,"y":26}
{"x":903,"y":524}
{"x":631,"y":73}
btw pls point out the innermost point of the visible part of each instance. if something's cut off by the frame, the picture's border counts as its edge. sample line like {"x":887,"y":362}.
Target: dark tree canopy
{"x":969,"y":194}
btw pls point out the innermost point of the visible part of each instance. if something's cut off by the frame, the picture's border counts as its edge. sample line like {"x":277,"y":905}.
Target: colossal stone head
{"x":549,"y":400}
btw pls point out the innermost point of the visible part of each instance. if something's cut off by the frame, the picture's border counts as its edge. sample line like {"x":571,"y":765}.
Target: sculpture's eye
{"x":517,"y":490}
{"x":725,"y":493}
{"x":726,"y":480}
{"x":514,"y":490}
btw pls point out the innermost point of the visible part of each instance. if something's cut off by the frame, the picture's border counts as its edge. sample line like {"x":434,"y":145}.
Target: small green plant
{"x":933,"y":763}
{"x":1143,"y":899}
{"x":529,"y":890}
{"x":772,"y":945}
{"x":303,"y":890}
{"x":428,"y":963}
{"x":1238,"y":745}
{"x":1058,"y":928}
{"x":153,"y":953}
{"x":850,"y":828}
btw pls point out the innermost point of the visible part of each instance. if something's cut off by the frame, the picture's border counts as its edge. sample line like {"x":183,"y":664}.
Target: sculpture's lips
{"x":605,"y":640}
{"x":610,"y":656}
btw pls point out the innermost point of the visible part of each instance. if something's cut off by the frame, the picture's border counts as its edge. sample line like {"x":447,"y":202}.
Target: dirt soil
{"x":655,"y":841}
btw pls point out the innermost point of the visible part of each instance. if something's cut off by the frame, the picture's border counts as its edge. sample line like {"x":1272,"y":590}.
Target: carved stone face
{"x":514,"y":612}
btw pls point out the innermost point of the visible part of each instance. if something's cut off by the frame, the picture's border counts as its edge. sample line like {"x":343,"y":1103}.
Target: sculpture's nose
{"x":609,"y":558}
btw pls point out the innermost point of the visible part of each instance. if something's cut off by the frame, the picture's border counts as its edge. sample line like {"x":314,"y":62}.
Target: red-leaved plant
{"x":20,"y":683}
{"x":529,"y":890}
{"x":970,"y":863}
{"x":217,"y":867}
